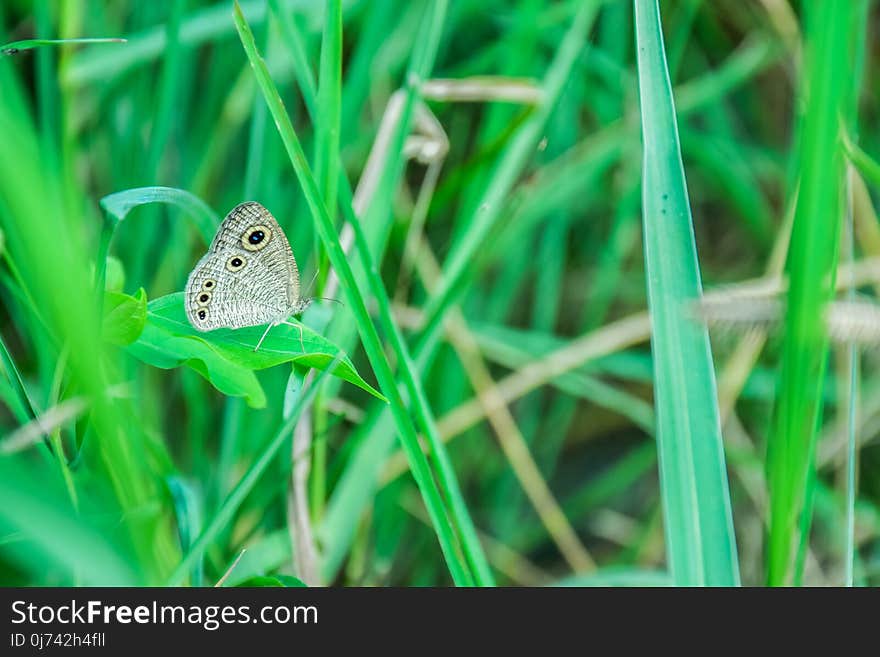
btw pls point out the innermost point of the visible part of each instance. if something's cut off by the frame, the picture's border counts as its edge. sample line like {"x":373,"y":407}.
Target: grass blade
{"x":356,"y":299}
{"x":424,"y":415}
{"x":15,"y":47}
{"x":867,"y":166}
{"x":812,"y":263}
{"x":352,"y":497}
{"x":329,"y":104}
{"x":327,"y":173}
{"x":297,"y":52}
{"x":700,"y":543}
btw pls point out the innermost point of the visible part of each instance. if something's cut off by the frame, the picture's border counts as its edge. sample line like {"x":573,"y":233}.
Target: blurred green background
{"x":516,"y":218}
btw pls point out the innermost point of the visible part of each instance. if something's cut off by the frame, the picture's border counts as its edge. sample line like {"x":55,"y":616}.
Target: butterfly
{"x":248,"y":277}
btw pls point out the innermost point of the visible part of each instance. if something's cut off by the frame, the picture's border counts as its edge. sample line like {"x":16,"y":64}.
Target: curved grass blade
{"x":205,"y":220}
{"x":116,"y":207}
{"x":700,"y":542}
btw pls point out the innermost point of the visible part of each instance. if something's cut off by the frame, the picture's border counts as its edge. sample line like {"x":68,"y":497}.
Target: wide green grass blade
{"x":812,"y":264}
{"x":700,"y":543}
{"x":356,"y":300}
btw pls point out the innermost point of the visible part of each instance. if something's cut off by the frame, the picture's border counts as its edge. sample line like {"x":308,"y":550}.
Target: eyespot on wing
{"x":256,"y":237}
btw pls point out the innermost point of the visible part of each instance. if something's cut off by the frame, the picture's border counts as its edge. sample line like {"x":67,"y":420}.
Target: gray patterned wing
{"x":248,"y":277}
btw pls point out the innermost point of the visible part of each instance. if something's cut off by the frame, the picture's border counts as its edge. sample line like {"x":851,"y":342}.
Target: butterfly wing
{"x":248,"y":277}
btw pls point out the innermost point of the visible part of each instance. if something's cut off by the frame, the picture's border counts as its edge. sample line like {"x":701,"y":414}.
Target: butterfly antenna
{"x":327,"y":299}
{"x":321,"y":298}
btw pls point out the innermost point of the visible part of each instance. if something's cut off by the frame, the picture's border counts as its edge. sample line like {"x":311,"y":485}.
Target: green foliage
{"x":226,"y":357}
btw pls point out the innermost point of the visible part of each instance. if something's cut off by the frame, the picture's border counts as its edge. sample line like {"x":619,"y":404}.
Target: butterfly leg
{"x":297,"y":326}
{"x":263,"y":337}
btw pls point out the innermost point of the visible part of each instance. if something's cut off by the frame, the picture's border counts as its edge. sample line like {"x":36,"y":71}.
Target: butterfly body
{"x":248,"y":277}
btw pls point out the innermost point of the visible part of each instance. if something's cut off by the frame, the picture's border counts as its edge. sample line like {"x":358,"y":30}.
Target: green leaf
{"x":290,"y":581}
{"x":124,"y":317}
{"x":259,"y":581}
{"x":114,"y":278}
{"x":226,"y":357}
{"x":271,"y":580}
